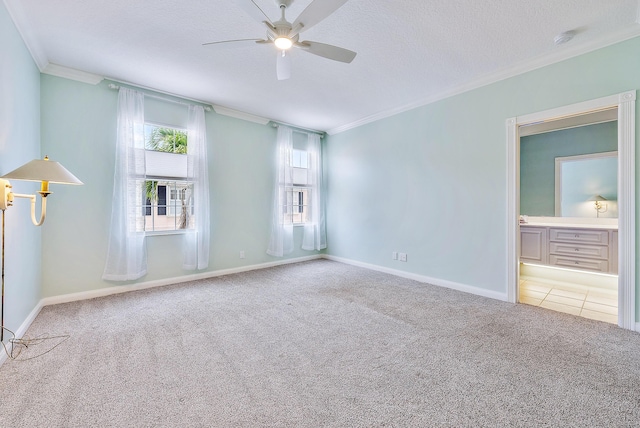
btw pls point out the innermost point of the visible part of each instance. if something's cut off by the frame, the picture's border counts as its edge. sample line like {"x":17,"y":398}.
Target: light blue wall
{"x":19,"y":143}
{"x":537,"y":161}
{"x":78,"y":129}
{"x":432,"y":182}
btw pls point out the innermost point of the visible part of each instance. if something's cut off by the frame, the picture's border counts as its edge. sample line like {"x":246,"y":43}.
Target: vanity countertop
{"x":572,"y":225}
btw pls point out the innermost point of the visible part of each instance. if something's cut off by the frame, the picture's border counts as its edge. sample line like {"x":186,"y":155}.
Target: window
{"x":151,"y":166}
{"x":167,"y":205}
{"x":297,"y":203}
{"x":298,"y":193}
{"x":166,"y":198}
{"x":299,"y":159}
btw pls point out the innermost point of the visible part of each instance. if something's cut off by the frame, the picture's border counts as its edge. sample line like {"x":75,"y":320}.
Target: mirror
{"x":587,"y":185}
{"x":585,"y":150}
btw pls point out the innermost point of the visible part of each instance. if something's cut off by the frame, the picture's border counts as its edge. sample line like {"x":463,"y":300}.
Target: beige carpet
{"x":320,"y":344}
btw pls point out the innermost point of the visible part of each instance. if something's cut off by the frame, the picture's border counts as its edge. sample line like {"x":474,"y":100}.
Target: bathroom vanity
{"x":588,"y":247}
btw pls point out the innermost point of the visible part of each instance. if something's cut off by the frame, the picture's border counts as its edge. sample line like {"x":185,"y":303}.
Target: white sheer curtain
{"x":281,"y":241}
{"x":196,"y":242}
{"x":315,"y":234}
{"x":127,"y":252}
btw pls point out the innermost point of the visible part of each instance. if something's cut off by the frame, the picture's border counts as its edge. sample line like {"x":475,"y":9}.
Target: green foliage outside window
{"x":167,"y":140}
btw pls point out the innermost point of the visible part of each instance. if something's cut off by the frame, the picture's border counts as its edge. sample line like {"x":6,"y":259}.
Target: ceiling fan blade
{"x":237,"y":40}
{"x":283,"y":65}
{"x":316,"y":12}
{"x":327,"y":51}
{"x":253,"y":10}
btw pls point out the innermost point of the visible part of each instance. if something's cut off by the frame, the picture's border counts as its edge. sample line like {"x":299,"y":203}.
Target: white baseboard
{"x":117,"y":289}
{"x":22,"y":329}
{"x":425,"y":279}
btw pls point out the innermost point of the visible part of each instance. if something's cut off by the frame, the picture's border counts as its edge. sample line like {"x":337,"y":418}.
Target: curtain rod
{"x":274,"y":123}
{"x":207,"y":108}
{"x":297,"y":128}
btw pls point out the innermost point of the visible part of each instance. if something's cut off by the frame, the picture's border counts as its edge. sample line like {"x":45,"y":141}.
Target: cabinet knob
{"x":577,"y":249}
{"x":577,"y":236}
{"x":577,"y":263}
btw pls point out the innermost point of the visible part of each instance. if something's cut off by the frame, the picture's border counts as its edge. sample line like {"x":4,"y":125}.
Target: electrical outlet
{"x":402,"y":257}
{"x":394,"y":255}
{"x":242,"y":254}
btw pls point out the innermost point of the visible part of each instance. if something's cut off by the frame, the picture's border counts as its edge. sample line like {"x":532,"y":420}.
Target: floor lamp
{"x":43,"y":171}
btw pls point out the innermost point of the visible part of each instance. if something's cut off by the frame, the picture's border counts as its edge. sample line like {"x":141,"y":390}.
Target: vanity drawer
{"x":584,"y":236}
{"x":568,"y":249}
{"x":579,"y":263}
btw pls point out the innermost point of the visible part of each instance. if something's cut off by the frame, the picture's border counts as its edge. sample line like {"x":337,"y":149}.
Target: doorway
{"x":545,"y":245}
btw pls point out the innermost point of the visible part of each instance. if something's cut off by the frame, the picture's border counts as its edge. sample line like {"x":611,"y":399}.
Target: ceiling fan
{"x":285,"y":35}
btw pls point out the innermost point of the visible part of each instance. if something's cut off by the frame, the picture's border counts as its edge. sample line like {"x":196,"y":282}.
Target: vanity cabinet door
{"x":533,"y":245}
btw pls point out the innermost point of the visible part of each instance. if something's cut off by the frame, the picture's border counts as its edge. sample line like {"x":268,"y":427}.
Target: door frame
{"x":626,"y":104}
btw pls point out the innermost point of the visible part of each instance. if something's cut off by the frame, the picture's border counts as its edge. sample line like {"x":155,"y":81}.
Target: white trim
{"x":225,"y":111}
{"x":513,"y":206}
{"x":560,"y":54}
{"x":20,"y":332}
{"x":421,"y":278}
{"x":72,"y":74}
{"x":601,"y":116}
{"x":627,"y":211}
{"x":604,"y":103}
{"x":626,"y":103}
{"x":118,"y":289}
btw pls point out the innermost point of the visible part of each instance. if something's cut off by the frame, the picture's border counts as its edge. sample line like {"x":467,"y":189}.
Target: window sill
{"x":166,"y":232}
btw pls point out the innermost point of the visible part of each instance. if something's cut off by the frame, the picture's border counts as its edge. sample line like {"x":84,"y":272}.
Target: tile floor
{"x":588,"y":302}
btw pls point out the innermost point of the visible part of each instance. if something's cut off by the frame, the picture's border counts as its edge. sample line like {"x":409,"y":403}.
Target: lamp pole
{"x":2,"y":306}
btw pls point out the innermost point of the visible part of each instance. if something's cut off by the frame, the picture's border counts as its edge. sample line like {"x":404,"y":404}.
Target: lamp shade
{"x":597,"y":198}
{"x":43,"y":170}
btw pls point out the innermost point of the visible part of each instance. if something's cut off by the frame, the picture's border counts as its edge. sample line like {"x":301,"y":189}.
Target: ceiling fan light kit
{"x":283,"y":43}
{"x":285,"y":35}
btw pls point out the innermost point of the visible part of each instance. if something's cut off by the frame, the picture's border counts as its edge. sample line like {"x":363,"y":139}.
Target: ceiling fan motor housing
{"x":282,"y":29}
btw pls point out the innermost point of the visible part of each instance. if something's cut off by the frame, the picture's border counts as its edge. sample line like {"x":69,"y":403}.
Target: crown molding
{"x":72,"y":74}
{"x":562,"y":53}
{"x":28,"y":37}
{"x":225,"y":111}
{"x":566,"y":52}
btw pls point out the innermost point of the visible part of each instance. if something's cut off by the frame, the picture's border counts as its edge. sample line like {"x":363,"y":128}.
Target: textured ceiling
{"x":409,"y":51}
